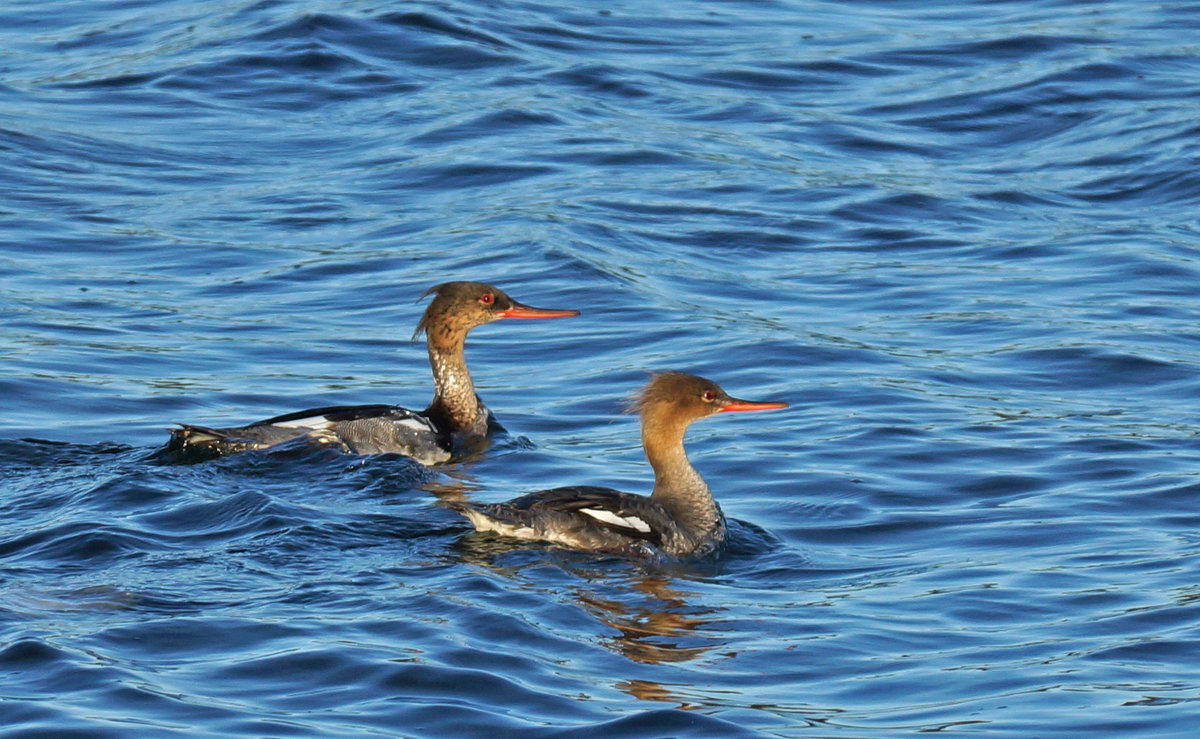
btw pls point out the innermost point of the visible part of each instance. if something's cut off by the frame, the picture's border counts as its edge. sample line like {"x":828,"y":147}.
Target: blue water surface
{"x":960,"y":238}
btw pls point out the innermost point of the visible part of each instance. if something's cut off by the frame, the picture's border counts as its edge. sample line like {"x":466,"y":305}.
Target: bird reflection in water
{"x":653,"y":621}
{"x":648,"y":690}
{"x":656,"y":624}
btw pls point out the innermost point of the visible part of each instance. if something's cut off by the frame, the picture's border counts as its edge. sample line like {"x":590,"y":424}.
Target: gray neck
{"x":678,"y":487}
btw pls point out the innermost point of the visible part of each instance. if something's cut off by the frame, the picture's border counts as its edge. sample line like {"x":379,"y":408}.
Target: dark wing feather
{"x":342,"y":413}
{"x":573,"y":500}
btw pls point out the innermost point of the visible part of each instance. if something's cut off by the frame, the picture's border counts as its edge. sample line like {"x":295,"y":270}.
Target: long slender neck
{"x":677,"y":485}
{"x":454,"y":402}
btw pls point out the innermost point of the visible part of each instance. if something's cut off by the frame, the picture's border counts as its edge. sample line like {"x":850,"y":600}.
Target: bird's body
{"x":581,"y":517}
{"x":679,"y":518}
{"x":456,"y":419}
{"x":352,"y":429}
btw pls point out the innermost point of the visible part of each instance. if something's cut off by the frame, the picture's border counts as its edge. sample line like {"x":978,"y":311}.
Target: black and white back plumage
{"x":579,"y":517}
{"x":358,"y":429}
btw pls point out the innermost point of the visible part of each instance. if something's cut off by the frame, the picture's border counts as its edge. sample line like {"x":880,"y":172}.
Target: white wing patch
{"x":315,"y":423}
{"x":629,"y":522}
{"x":416,"y":423}
{"x":322,"y":423}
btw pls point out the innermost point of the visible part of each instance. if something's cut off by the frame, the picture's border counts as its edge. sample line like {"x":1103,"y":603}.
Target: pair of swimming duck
{"x":679,"y":518}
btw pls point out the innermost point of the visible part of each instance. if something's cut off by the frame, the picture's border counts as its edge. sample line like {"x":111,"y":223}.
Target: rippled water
{"x":960,"y":238}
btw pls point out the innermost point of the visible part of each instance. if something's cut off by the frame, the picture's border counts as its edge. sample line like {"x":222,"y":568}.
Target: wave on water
{"x":957,"y":239}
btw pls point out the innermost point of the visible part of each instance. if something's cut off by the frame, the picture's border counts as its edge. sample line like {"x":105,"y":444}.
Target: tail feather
{"x":500,"y":518}
{"x":190,"y":434}
{"x":198,"y":443}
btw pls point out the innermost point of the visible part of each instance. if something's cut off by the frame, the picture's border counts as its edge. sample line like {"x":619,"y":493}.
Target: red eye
{"x":486,"y":298}
{"x":708,"y":395}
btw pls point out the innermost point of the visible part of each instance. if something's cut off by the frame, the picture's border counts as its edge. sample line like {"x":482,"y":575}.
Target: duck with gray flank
{"x":680,"y":517}
{"x":454,"y":421}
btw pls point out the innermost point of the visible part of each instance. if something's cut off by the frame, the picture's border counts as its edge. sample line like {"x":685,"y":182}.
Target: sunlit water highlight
{"x":960,"y":239}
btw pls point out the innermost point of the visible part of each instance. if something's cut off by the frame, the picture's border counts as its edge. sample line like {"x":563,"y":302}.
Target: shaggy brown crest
{"x":458,"y":307}
{"x":466,"y":299}
{"x":682,"y":391}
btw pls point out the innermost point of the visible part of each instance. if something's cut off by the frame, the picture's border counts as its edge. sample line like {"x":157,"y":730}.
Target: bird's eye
{"x":709,"y":396}
{"x":486,"y":298}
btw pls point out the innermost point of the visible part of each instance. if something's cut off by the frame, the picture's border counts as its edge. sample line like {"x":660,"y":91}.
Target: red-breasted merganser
{"x":455,"y":419}
{"x":679,"y":518}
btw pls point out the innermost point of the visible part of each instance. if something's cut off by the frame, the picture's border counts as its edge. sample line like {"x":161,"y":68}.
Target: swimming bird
{"x":455,"y":419}
{"x":679,"y":518}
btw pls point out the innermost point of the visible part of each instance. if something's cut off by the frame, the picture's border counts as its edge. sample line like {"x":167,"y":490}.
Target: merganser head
{"x":676,"y":398}
{"x":458,"y":307}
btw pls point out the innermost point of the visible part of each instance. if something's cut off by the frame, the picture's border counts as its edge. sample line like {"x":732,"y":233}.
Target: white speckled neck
{"x":453,"y":391}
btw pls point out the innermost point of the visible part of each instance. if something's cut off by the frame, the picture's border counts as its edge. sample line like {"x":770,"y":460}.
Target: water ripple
{"x":956,"y":239}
